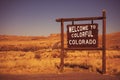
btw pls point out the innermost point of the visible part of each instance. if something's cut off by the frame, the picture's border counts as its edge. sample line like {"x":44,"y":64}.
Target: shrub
{"x":37,"y":56}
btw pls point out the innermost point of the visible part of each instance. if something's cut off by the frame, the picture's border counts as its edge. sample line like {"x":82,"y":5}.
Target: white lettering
{"x":82,"y":34}
{"x":82,"y":41}
{"x":73,"y":29}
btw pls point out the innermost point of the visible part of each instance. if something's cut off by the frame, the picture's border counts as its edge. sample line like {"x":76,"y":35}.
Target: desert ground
{"x":38,"y":58}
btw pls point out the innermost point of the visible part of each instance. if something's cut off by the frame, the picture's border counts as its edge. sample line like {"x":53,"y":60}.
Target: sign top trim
{"x":81,"y":24}
{"x":79,"y":19}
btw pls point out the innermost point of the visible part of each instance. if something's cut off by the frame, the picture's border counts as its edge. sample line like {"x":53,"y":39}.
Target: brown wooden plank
{"x":78,"y":19}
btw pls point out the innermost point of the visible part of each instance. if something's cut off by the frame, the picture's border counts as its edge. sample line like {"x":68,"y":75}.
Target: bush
{"x":37,"y":56}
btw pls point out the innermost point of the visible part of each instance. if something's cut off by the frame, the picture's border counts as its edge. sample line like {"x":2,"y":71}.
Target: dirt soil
{"x":61,"y":76}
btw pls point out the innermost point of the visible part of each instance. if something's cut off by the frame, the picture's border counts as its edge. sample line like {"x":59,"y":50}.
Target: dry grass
{"x":36,"y":55}
{"x":92,"y":60}
{"x":25,"y":62}
{"x":36,"y":62}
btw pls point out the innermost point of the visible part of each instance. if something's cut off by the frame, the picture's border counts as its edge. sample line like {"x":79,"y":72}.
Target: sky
{"x":37,"y":17}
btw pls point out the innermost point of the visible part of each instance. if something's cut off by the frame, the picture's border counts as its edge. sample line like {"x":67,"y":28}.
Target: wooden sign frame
{"x":103,"y":18}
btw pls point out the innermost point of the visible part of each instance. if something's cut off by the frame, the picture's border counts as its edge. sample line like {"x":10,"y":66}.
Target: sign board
{"x":82,"y":36}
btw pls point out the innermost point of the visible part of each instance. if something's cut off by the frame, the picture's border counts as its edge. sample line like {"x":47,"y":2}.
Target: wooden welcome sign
{"x":83,"y":37}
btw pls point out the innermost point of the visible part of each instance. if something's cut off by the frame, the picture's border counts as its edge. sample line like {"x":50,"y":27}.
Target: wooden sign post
{"x":83,"y":37}
{"x":104,"y":43}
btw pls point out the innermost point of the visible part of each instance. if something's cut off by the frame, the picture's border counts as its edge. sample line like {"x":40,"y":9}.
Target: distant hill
{"x":20,"y":38}
{"x":112,"y":39}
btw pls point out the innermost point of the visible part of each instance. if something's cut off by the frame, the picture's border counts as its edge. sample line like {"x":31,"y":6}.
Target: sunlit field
{"x":29,"y":55}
